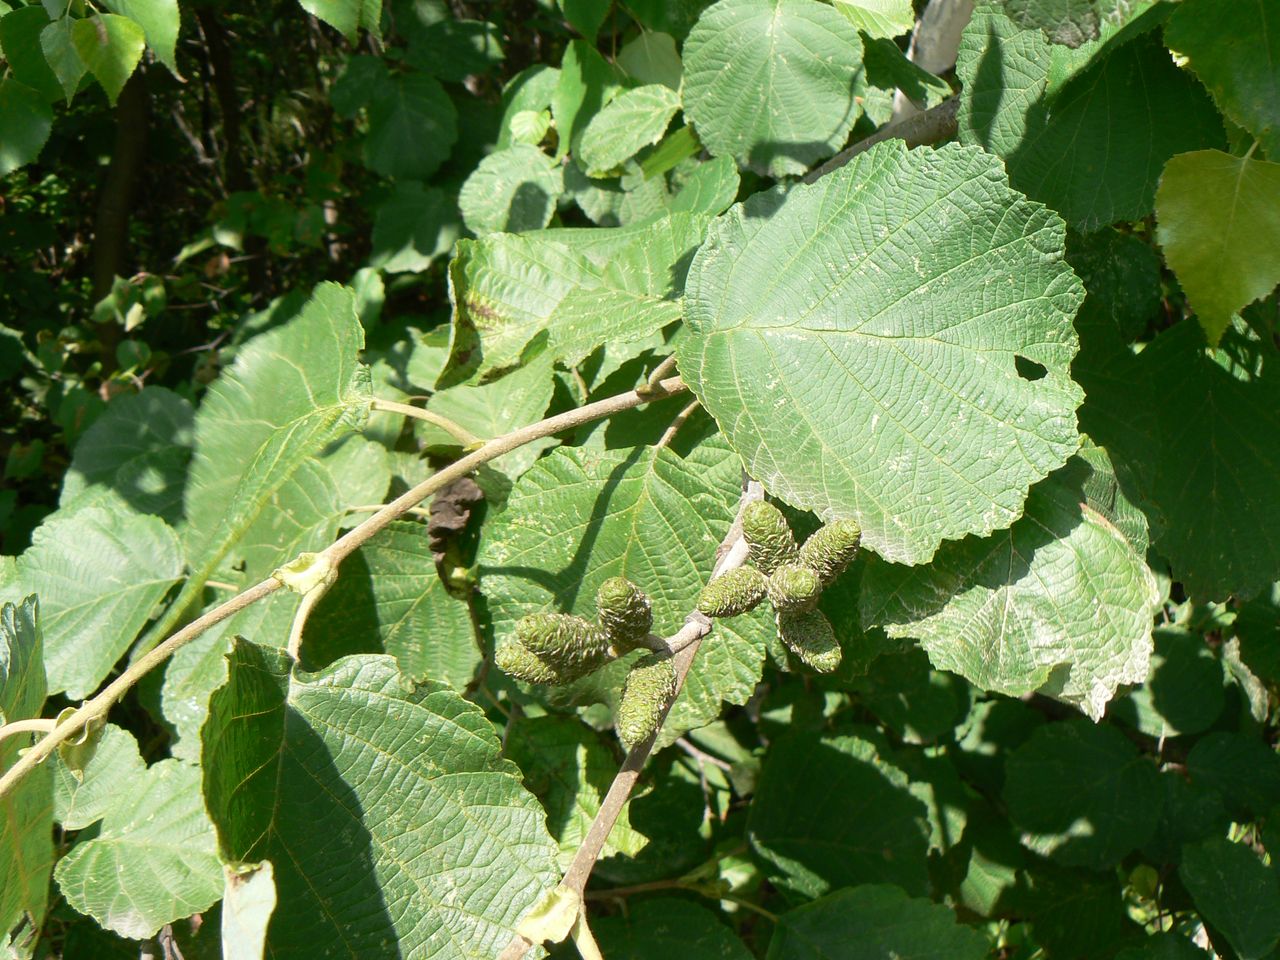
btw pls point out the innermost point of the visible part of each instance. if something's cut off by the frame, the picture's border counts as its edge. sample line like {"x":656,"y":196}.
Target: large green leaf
{"x":99,"y":569}
{"x":139,"y":448}
{"x":413,"y":228}
{"x":631,"y":121}
{"x":584,"y":84}
{"x":60,"y":53}
{"x":25,"y":122}
{"x":1060,"y":602}
{"x":879,"y":18}
{"x":20,"y":43}
{"x":1085,"y":131}
{"x":861,"y":344}
{"x":1083,"y":794}
{"x":508,"y":289}
{"x":389,"y":599}
{"x":26,"y":814}
{"x":511,"y":191}
{"x":569,"y":769}
{"x":110,"y":47}
{"x":831,"y":812}
{"x":154,"y":859}
{"x":581,"y":516}
{"x":1233,"y":48}
{"x":412,"y":126}
{"x":290,"y":393}
{"x":393,"y":824}
{"x":664,"y":928}
{"x":1236,"y":893}
{"x":304,"y":514}
{"x":1220,"y":233}
{"x":873,"y":922}
{"x":84,"y":796}
{"x":159,"y":21}
{"x":773,"y":83}
{"x":347,"y":16}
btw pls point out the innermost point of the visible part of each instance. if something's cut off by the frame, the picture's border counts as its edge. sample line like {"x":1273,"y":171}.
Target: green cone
{"x":625,"y":614}
{"x":794,"y":588}
{"x":832,"y":549}
{"x":767,"y":534}
{"x":563,"y":640}
{"x":650,"y":684}
{"x":810,"y":637}
{"x":737,"y":591}
{"x":516,"y":660}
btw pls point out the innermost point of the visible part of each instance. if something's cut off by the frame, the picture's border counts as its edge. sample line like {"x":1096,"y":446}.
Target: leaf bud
{"x":832,"y":549}
{"x":794,"y":588}
{"x":625,"y":614}
{"x":732,"y":593}
{"x":563,"y":640}
{"x":650,"y":685}
{"x":810,"y":637}
{"x":767,"y":534}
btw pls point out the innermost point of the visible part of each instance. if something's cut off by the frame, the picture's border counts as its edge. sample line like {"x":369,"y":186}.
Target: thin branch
{"x":681,"y":418}
{"x":663,"y":370}
{"x":26,"y":726}
{"x":702,"y":756}
{"x":336,"y":552}
{"x":686,"y":641}
{"x":455,"y":430}
{"x":935,"y":124}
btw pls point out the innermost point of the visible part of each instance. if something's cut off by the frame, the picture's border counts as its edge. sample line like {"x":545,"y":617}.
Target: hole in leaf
{"x":1029,"y":369}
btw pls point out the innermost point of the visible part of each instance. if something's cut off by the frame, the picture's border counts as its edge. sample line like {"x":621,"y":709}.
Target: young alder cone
{"x":794,"y":588}
{"x":810,"y":637}
{"x":650,"y":684}
{"x":563,"y":640}
{"x":768,"y":536}
{"x":831,"y":549}
{"x":625,"y":614}
{"x":732,"y":593}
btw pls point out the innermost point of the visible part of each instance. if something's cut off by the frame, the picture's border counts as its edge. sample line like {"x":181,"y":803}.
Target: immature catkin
{"x":810,"y":637}
{"x":563,"y":640}
{"x":767,"y":534}
{"x":732,"y":593}
{"x":832,"y":549}
{"x":625,"y":614}
{"x":794,"y":588}
{"x":650,"y":685}
{"x":516,"y":660}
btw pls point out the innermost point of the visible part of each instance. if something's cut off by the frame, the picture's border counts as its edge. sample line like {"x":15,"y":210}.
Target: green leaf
{"x":579,"y":517}
{"x":585,"y":83}
{"x":1083,"y":794}
{"x":1061,"y":602}
{"x":393,"y":823}
{"x":303,"y":515}
{"x":20,"y":43}
{"x":26,"y":816}
{"x":873,"y":922}
{"x":1235,"y":893}
{"x":1183,"y":693}
{"x":389,"y":599}
{"x":1233,"y":49}
{"x":1069,"y":22}
{"x":888,"y":68}
{"x":511,"y":191}
{"x":106,"y":781}
{"x":60,"y":53}
{"x":347,"y":16}
{"x":25,"y":122}
{"x":247,"y":904}
{"x":1071,"y":126}
{"x":139,"y":448}
{"x":1243,"y":769}
{"x":569,"y":769}
{"x":415,"y":227}
{"x":456,"y":49}
{"x":652,"y":58}
{"x":619,"y":201}
{"x":879,"y":18}
{"x":110,"y":47}
{"x":529,"y":91}
{"x":152,"y":862}
{"x":586,"y":16}
{"x":1217,"y":225}
{"x":361,"y":78}
{"x":665,"y":927}
{"x":412,"y":127}
{"x":773,"y":83}
{"x":99,"y":570}
{"x":886,"y":344}
{"x":159,"y":21}
{"x":1164,"y":946}
{"x":710,"y":189}
{"x":631,"y":121}
{"x":831,"y":812}
{"x":267,"y":415}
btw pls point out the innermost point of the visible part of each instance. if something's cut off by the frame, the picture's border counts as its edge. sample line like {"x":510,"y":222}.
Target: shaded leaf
{"x":412,"y":127}
{"x":416,"y":226}
{"x":347,"y":16}
{"x":25,"y":122}
{"x":511,"y":191}
{"x":1235,"y":893}
{"x":662,"y":928}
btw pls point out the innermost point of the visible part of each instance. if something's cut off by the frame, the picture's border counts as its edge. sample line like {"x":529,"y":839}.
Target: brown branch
{"x":935,"y":124}
{"x":731,"y":553}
